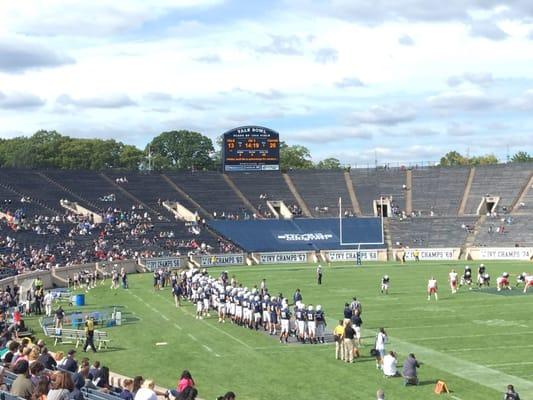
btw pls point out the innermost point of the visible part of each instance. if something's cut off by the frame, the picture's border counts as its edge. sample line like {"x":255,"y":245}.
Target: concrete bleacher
{"x":370,"y":184}
{"x":90,"y":185}
{"x":438,"y":189}
{"x":430,"y":231}
{"x":211,"y":191}
{"x":29,"y":183}
{"x":253,"y":185}
{"x":321,"y":190}
{"x":503,"y":180}
{"x":517,"y":231}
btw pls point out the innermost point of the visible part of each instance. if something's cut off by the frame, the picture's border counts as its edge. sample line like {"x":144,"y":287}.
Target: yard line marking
{"x":510,"y":364}
{"x":468,"y":370}
{"x":469,"y":336}
{"x":209,"y":349}
{"x":192,"y":337}
{"x":164,"y":317}
{"x":460,"y":349}
{"x":177,"y":326}
{"x":455,"y":397}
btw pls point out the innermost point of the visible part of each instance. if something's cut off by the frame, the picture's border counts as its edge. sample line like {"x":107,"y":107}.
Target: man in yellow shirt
{"x":338,"y":334}
{"x":89,"y":334}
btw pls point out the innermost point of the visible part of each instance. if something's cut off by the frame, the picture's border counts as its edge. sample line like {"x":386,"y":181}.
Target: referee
{"x":89,"y":334}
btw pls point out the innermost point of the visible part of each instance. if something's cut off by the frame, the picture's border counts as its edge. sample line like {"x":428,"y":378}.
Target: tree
{"x":483,"y":160}
{"x":521,"y":156}
{"x":294,"y":157}
{"x":182,"y":150}
{"x":453,"y":158}
{"x":329,"y":163}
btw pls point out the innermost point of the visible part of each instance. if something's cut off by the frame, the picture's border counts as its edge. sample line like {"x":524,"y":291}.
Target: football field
{"x":477,"y":341}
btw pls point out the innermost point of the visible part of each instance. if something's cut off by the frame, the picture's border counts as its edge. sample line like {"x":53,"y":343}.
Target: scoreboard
{"x":251,"y":148}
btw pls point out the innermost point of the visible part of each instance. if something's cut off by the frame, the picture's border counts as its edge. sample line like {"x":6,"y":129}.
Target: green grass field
{"x":477,"y":341}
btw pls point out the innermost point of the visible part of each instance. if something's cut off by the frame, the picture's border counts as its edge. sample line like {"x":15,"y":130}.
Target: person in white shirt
{"x":390,"y":365}
{"x":432,"y":288}
{"x":453,"y":281}
{"x":381,"y":339}
{"x":48,"y":300}
{"x":146,"y":392}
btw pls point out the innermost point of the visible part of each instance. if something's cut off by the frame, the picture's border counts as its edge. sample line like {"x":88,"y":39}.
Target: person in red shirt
{"x":184,"y":382}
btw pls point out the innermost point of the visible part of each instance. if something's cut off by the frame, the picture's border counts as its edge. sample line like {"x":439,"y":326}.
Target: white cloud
{"x":385,"y":115}
{"x":19,"y":100}
{"x":111,"y":101}
{"x":466,"y":100}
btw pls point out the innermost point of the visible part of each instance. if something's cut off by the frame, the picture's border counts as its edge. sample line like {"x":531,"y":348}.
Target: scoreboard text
{"x":251,"y":148}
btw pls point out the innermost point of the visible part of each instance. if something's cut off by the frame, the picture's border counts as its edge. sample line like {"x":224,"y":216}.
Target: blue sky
{"x":396,"y":80}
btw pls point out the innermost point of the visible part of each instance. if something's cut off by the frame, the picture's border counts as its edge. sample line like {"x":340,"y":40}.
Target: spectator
{"x":101,"y":380}
{"x":189,"y":393}
{"x":409,"y":370}
{"x":46,"y":359}
{"x":137,"y":383}
{"x":70,"y":363}
{"x":62,"y":385}
{"x":127,"y":389}
{"x":185,"y":381}
{"x":41,"y":389}
{"x":22,"y":386}
{"x":146,"y":392}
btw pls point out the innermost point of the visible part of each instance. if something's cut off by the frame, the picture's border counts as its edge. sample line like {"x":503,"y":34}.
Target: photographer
{"x":390,"y":365}
{"x":510,"y":394}
{"x":409,"y":370}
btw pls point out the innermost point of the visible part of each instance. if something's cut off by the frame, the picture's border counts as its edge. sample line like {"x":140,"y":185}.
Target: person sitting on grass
{"x":390,"y":365}
{"x":409,"y":370}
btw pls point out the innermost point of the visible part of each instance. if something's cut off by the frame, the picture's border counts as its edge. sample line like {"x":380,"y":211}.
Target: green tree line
{"x":173,"y":150}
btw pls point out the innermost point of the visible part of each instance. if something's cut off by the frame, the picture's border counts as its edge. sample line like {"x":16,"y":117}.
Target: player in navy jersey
{"x":274,"y":310}
{"x":311,"y":324}
{"x":221,"y":306}
{"x":257,"y":312}
{"x":177,"y":293}
{"x":265,"y":312}
{"x":466,"y":279}
{"x":320,"y":323}
{"x":385,"y":284}
{"x":285,"y":316}
{"x":300,"y":322}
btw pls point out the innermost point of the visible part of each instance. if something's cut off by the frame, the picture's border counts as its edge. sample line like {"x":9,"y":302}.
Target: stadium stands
{"x":256,"y":185}
{"x":506,"y":231}
{"x":503,"y":180}
{"x":321,"y":191}
{"x":371,"y":184}
{"x":213,"y":193}
{"x":431,"y":232}
{"x":438,"y":189}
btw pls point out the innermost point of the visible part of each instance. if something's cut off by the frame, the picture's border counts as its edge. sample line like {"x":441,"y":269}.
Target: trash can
{"x":80,"y":299}
{"x":118,"y":317}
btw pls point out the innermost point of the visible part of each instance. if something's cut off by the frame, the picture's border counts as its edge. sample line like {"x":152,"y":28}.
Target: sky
{"x":392,"y":81}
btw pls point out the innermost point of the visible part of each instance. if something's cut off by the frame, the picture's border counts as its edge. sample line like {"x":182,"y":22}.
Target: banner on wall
{"x":161,"y":262}
{"x":222,"y":259}
{"x":505,"y":253}
{"x":283,"y":258}
{"x":432,"y":254}
{"x":351,"y":255}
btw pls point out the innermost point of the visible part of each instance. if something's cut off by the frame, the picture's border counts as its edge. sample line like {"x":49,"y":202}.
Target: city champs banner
{"x":430,"y":254}
{"x":283,"y":258}
{"x":351,"y":255}
{"x":502,"y":253}
{"x":161,"y":262}
{"x":222,"y":259}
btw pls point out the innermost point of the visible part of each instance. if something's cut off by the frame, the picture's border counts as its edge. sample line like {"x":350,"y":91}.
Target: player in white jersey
{"x":529,"y":282}
{"x":502,"y":282}
{"x":453,"y":281}
{"x":432,"y":288}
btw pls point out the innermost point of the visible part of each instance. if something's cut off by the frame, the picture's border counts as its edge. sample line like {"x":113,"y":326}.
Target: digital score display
{"x":251,"y":148}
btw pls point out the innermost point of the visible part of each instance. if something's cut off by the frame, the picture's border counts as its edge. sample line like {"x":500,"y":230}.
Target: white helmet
{"x":265,"y":297}
{"x":318,"y":307}
{"x":310,"y":308}
{"x":302,"y":306}
{"x":481,"y":265}
{"x":386,"y":277}
{"x":256,"y":298}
